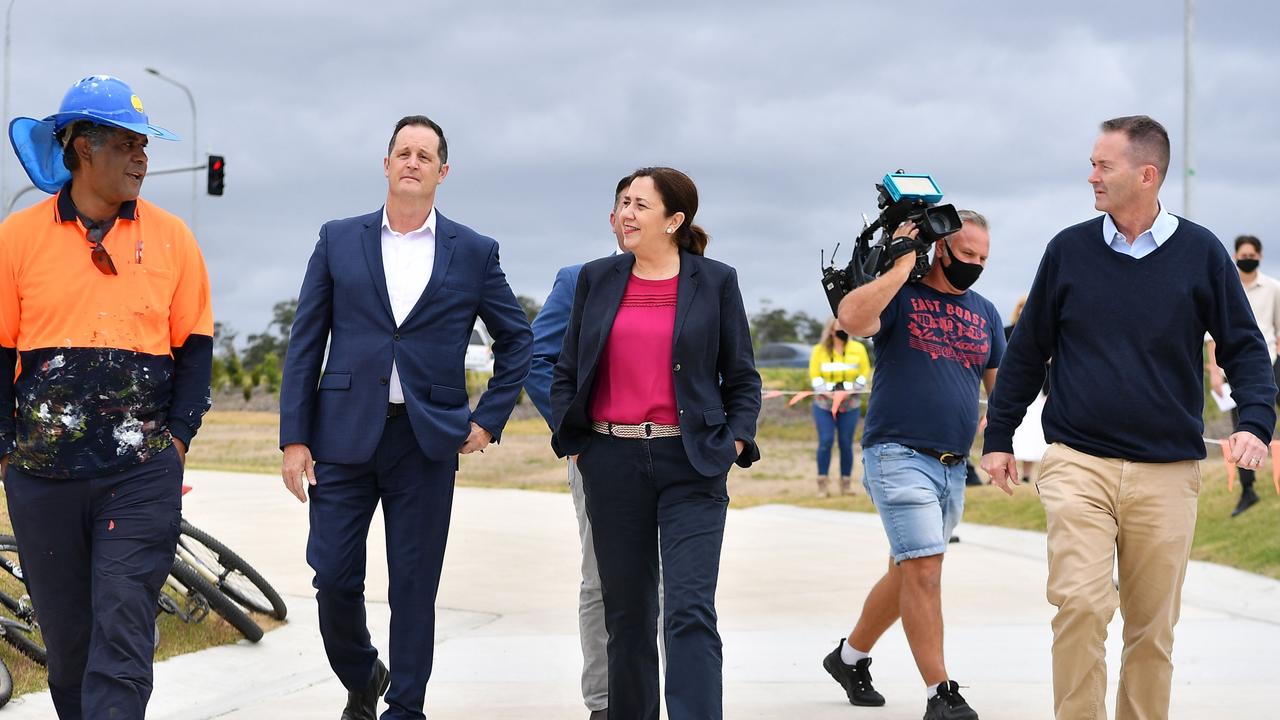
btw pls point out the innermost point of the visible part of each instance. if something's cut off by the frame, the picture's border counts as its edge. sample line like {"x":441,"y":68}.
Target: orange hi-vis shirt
{"x":107,"y":369}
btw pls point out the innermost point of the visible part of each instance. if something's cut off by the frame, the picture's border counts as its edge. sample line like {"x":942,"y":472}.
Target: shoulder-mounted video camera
{"x":903,"y":197}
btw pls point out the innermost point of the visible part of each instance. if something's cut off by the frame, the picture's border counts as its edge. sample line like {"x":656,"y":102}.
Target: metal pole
{"x":1188,"y":160}
{"x":195,"y":146}
{"x":4,"y":152}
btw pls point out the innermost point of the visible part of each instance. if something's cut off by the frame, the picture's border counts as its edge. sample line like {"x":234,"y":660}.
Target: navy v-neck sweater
{"x":1123,"y":338}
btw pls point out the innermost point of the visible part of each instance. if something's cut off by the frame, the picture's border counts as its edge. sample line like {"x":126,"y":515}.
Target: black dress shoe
{"x":1248,"y":498}
{"x":949,"y":705}
{"x":363,"y":704}
{"x":855,"y":679}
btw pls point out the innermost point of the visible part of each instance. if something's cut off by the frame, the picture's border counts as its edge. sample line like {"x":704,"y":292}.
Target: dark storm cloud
{"x":785,"y":114}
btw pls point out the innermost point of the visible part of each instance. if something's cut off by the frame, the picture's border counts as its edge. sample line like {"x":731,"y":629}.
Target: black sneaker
{"x":948,"y":704}
{"x":855,"y":679}
{"x":1248,"y":498}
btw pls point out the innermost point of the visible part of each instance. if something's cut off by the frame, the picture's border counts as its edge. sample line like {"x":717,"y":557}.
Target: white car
{"x":479,"y":350}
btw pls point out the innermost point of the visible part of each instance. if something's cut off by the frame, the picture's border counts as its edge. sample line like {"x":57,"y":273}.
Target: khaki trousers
{"x":1138,"y":518}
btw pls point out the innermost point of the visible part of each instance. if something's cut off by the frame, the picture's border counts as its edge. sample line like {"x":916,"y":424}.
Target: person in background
{"x":1028,"y":441}
{"x":1263,"y":292}
{"x":548,"y":340}
{"x":837,"y":363}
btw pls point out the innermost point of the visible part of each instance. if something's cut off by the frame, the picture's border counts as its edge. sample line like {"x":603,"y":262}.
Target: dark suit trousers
{"x":637,"y":492}
{"x":416,"y":495}
{"x":96,"y":552}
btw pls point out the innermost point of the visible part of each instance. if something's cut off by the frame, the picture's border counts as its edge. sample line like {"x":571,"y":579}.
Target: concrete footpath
{"x":791,"y":583}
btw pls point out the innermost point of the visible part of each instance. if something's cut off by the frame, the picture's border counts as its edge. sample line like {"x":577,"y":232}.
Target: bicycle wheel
{"x":236,"y":577}
{"x":6,"y":684}
{"x":218,"y":602}
{"x":23,"y":639}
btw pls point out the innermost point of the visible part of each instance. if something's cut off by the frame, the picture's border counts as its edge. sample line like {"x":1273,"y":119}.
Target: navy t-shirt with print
{"x":931,"y":352}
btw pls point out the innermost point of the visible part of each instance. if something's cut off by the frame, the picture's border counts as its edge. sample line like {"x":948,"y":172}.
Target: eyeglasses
{"x":101,"y":258}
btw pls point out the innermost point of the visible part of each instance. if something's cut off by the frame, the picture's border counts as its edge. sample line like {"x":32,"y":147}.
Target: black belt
{"x":946,"y":458}
{"x":396,"y":409}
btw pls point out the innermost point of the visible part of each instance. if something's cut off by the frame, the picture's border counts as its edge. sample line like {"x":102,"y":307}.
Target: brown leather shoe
{"x":824,"y":485}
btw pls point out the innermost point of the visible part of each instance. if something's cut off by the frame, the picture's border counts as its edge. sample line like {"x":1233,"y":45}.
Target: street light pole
{"x":194,"y":144}
{"x":4,"y":156}
{"x":1188,"y":95}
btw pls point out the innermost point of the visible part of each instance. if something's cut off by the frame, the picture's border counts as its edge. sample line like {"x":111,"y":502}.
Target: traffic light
{"x":217,"y":164}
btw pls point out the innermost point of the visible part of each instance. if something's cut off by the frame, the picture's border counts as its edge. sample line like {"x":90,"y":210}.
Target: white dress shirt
{"x":1146,"y":242}
{"x":1264,"y":300}
{"x":407,"y":260}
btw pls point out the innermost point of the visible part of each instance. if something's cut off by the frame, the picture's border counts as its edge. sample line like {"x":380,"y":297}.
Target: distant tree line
{"x":257,"y":363}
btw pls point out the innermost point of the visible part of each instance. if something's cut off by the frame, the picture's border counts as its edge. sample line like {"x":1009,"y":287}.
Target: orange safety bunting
{"x":836,"y":399}
{"x":1275,"y":465}
{"x":772,"y":394}
{"x":1231,"y":469}
{"x":799,"y":396}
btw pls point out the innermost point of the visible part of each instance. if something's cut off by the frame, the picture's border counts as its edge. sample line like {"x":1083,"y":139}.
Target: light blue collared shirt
{"x":1146,"y":243}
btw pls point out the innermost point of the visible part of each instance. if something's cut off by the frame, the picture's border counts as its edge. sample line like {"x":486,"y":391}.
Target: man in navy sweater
{"x":1121,"y":304}
{"x":548,"y":340}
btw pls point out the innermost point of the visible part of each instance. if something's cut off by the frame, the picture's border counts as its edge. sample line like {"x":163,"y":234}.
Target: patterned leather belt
{"x":643,"y":430}
{"x":396,"y":410}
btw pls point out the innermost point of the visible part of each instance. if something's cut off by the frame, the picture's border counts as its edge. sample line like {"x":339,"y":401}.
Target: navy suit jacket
{"x":716,"y":383}
{"x":340,"y":414}
{"x":548,"y":339}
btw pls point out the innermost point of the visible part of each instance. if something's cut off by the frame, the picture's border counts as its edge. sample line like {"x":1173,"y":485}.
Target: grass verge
{"x":247,"y":441}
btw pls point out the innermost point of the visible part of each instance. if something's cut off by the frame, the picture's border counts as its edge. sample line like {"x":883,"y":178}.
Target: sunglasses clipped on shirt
{"x":101,"y":258}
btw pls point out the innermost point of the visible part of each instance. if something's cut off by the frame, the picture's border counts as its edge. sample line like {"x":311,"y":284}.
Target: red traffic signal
{"x":217,"y":164}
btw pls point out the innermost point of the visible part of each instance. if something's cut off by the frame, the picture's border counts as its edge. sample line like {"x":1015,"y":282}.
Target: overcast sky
{"x":785,"y":114}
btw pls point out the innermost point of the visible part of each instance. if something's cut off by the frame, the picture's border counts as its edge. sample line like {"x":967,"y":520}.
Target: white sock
{"x":932,"y":690}
{"x":850,"y":655}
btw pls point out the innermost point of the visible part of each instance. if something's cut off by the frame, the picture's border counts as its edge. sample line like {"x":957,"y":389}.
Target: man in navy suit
{"x":548,"y":339}
{"x":394,"y":294}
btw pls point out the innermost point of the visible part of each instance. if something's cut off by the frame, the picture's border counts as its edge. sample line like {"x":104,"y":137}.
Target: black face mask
{"x":1248,"y":265}
{"x":842,"y":336}
{"x":959,"y":273}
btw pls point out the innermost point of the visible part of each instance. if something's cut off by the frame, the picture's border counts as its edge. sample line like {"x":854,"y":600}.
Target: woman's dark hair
{"x":679,"y":195}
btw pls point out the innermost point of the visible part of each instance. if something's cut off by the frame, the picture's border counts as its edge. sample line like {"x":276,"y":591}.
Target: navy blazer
{"x":548,"y":339}
{"x":717,"y":386}
{"x":340,"y":414}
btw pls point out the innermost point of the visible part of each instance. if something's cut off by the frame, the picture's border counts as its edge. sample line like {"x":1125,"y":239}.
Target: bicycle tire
{"x":19,"y":636}
{"x":237,"y":578}
{"x":218,"y":602}
{"x":6,"y":684}
{"x":9,"y":543}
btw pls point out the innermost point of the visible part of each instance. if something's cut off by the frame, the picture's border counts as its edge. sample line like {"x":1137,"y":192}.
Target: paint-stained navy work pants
{"x":417,"y":498}
{"x":95,"y":553}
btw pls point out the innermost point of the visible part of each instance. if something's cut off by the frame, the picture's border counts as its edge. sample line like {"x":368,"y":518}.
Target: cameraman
{"x":935,"y":341}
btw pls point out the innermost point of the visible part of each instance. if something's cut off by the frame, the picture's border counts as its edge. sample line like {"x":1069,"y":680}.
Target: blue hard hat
{"x":101,"y":99}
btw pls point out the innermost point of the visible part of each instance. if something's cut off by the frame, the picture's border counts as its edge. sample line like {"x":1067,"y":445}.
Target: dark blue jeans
{"x":417,"y":499}
{"x":831,"y":429}
{"x":96,"y":552}
{"x":644,"y":498}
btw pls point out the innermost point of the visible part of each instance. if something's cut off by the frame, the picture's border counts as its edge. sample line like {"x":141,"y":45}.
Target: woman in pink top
{"x":657,"y":395}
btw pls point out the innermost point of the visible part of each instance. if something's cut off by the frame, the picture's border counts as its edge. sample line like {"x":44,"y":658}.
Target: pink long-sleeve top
{"x":634,"y":381}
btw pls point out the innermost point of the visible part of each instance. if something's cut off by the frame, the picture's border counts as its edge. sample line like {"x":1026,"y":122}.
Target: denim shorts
{"x":919,"y":499}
